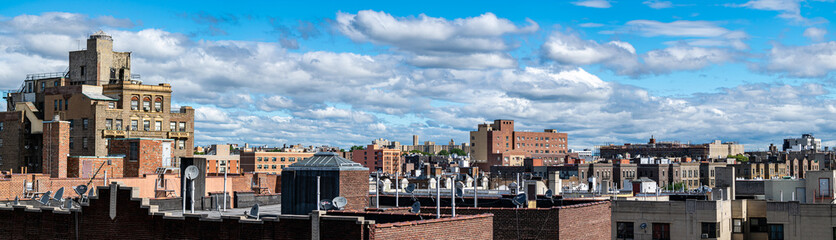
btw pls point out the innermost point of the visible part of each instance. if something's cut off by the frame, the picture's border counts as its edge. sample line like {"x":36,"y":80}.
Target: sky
{"x":344,"y":73}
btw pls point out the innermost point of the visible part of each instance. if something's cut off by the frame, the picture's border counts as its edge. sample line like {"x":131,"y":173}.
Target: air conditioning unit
{"x":146,"y":109}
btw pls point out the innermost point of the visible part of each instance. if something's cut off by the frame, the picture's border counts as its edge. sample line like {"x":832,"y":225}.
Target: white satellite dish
{"x":192,"y":172}
{"x":339,"y":202}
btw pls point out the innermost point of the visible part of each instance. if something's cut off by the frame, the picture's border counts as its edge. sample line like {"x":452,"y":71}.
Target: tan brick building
{"x":270,"y":162}
{"x":490,"y":142}
{"x":100,"y":99}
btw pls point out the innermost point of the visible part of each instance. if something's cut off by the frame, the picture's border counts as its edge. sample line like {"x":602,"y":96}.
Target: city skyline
{"x":343,"y":74}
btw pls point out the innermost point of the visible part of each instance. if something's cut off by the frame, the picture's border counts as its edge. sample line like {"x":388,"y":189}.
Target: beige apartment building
{"x":270,"y":162}
{"x":101,"y":99}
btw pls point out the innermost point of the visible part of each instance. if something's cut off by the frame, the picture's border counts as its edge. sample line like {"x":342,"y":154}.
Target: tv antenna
{"x":416,"y":208}
{"x":339,"y":202}
{"x":253,"y":213}
{"x":519,"y":200}
{"x":45,"y":198}
{"x":190,"y":174}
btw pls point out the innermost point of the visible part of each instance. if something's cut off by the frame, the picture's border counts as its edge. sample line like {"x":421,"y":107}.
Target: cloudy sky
{"x":344,"y":73}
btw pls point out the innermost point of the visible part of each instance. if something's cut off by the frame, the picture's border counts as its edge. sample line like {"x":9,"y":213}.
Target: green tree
{"x":458,"y":152}
{"x":355,"y":147}
{"x":443,"y":153}
{"x":739,"y":158}
{"x":420,"y":152}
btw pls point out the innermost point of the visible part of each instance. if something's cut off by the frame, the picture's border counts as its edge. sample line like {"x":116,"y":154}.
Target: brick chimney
{"x":56,"y":148}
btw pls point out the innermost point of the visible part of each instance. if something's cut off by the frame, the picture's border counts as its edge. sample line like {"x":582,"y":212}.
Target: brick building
{"x":220,"y":160}
{"x":338,"y":177}
{"x":713,"y":150}
{"x":498,"y":144}
{"x":376,"y":157}
{"x":100,"y":99}
{"x":270,"y":162}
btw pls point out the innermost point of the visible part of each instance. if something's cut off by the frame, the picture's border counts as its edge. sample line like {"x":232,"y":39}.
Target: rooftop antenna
{"x":550,"y":195}
{"x":519,"y":200}
{"x":190,"y":174}
{"x":253,"y":213}
{"x":339,"y":202}
{"x":416,"y":208}
{"x":45,"y":198}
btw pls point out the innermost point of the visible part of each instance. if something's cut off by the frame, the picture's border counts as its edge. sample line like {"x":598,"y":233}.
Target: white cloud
{"x":656,"y":4}
{"x":591,"y":25}
{"x":790,"y":9}
{"x":681,"y":28}
{"x":815,"y":34}
{"x":593,"y":3}
{"x":815,"y":60}
{"x":684,"y":58}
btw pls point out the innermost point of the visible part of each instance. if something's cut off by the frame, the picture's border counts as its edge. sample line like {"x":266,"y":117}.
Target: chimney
{"x":56,"y":148}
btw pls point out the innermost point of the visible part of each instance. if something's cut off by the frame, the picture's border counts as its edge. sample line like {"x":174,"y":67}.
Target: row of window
{"x":61,"y":104}
{"x":116,"y":124}
{"x":268,"y":166}
{"x":146,"y":104}
{"x":283,"y":159}
{"x":661,"y":231}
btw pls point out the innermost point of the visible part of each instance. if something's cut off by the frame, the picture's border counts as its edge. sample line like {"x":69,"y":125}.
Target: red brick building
{"x":498,"y":144}
{"x":56,"y":147}
{"x":142,"y":155}
{"x":376,"y":158}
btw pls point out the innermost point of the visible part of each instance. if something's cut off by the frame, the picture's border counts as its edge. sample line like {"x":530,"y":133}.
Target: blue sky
{"x":343,"y":73}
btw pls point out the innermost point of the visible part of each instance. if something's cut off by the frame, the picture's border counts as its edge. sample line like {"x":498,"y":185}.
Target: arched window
{"x":146,"y":104}
{"x":158,"y":104}
{"x":134,"y":103}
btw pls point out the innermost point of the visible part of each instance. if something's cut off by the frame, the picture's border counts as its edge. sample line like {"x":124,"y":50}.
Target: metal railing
{"x":36,"y":76}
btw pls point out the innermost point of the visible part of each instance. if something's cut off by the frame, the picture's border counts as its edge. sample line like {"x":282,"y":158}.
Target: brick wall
{"x":85,"y":167}
{"x":354,"y":186}
{"x":149,"y":156}
{"x":586,"y":221}
{"x":461,"y":227}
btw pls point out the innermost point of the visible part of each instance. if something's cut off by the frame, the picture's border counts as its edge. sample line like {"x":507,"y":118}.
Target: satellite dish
{"x":59,"y":194}
{"x":325,"y":205}
{"x":80,"y":189}
{"x":549,"y":193}
{"x":192,"y":172}
{"x":416,"y":207}
{"x":459,"y":192}
{"x":339,"y":202}
{"x":410,"y":188}
{"x":253,"y":213}
{"x":643,"y":225}
{"x":519,"y":200}
{"x":45,"y":198}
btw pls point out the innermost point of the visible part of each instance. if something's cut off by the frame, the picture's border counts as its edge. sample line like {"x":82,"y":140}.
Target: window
{"x":146,"y":125}
{"x":72,"y":124}
{"x":1,"y":142}
{"x":43,"y":86}
{"x":625,"y":231}
{"x":776,"y":232}
{"x":81,"y":71}
{"x":292,"y":159}
{"x":661,"y":231}
{"x":118,"y":124}
{"x":55,"y":83}
{"x":258,"y":159}
{"x":158,"y":126}
{"x":55,"y":105}
{"x":274,"y":166}
{"x":1,"y":126}
{"x":710,"y":230}
{"x":85,"y":123}
{"x":134,"y":125}
{"x":173,"y":126}
{"x":182,"y":126}
{"x":66,"y":105}
{"x":282,"y":159}
{"x":84,"y":142}
{"x":134,"y":103}
{"x":146,"y":104}
{"x":108,"y":124}
{"x":112,"y":73}
{"x":182,"y":144}
{"x":274,"y":159}
{"x":71,"y":142}
{"x":158,"y":105}
{"x":134,"y":151}
{"x":758,"y":225}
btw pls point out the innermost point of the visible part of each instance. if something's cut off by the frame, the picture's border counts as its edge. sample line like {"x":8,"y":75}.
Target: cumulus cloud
{"x":815,"y":60}
{"x":696,"y":33}
{"x":593,"y":3}
{"x":815,"y":34}
{"x":621,"y":57}
{"x":789,"y":9}
{"x":431,"y":39}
